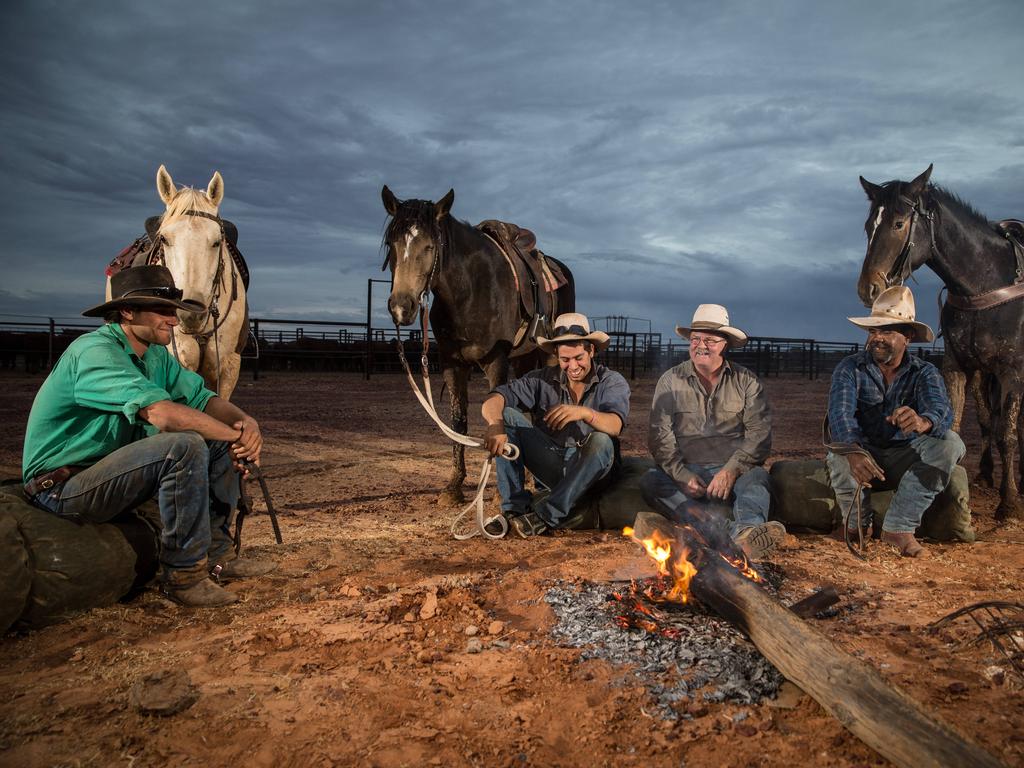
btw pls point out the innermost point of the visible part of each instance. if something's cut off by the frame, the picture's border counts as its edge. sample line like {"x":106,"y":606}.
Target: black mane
{"x":951,"y":200}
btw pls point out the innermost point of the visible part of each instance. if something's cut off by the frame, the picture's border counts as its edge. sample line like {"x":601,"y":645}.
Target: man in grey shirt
{"x":710,"y":433}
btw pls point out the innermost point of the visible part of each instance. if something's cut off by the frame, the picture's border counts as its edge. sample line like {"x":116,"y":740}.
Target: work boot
{"x":528,"y":525}
{"x":759,"y":541}
{"x":202,"y":594}
{"x":240,"y":568}
{"x":904,"y":542}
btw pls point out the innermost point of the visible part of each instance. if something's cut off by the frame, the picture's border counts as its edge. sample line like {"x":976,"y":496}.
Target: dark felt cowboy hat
{"x":570,"y":328}
{"x":145,"y":287}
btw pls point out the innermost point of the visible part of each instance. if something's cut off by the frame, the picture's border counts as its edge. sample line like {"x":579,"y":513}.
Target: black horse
{"x":914,"y":223}
{"x":475,"y":314}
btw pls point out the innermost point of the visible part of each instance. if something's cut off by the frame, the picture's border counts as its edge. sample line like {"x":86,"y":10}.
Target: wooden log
{"x":852,"y":691}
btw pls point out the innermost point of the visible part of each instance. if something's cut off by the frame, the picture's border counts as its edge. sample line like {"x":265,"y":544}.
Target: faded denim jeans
{"x":918,"y":469}
{"x":194,"y":482}
{"x":567,"y":471}
{"x":748,"y":504}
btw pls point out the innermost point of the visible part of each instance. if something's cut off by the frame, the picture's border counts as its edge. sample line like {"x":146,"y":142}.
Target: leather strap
{"x":986,"y":300}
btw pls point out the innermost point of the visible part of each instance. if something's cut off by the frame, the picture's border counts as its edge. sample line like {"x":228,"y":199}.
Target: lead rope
{"x":510,"y":451}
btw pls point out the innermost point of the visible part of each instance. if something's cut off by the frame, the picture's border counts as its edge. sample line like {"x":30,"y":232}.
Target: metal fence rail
{"x":34,"y":345}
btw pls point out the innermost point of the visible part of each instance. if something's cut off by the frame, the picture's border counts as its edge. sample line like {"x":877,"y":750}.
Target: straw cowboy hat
{"x":570,"y":328}
{"x":713,"y":317}
{"x":145,"y":287}
{"x":895,"y":306}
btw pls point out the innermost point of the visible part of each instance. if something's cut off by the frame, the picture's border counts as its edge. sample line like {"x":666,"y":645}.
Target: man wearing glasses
{"x":710,"y":433}
{"x":578,"y":408}
{"x":118,"y":421}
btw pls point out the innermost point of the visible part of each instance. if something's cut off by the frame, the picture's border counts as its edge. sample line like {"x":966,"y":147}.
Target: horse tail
{"x":565,"y":296}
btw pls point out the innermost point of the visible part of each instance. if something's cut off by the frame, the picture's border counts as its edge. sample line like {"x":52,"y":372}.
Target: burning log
{"x":853,"y":692}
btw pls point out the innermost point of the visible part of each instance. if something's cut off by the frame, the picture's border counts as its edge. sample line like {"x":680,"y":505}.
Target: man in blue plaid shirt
{"x":894,"y":407}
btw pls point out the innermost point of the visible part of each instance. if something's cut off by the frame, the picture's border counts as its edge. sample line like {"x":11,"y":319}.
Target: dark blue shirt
{"x":858,"y":401}
{"x":606,"y":391}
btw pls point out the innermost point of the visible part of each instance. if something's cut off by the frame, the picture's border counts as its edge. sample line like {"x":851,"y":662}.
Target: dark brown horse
{"x":914,"y":223}
{"x":475,"y":313}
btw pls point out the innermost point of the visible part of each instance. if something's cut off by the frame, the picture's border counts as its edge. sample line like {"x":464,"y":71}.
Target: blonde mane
{"x":187,"y":199}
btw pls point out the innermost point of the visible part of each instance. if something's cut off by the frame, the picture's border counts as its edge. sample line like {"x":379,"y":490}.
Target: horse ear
{"x":389,"y":199}
{"x":442,"y":206}
{"x":917,"y":185}
{"x":871,"y":189}
{"x":215,"y":189}
{"x":165,"y":185}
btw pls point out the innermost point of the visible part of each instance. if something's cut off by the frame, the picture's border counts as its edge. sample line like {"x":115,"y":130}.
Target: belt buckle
{"x":46,"y":484}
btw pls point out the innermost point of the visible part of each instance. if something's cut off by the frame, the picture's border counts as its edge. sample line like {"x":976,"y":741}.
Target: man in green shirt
{"x":119,"y":421}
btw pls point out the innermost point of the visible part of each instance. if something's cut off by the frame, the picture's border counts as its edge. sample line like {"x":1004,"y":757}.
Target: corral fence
{"x":278,"y":344}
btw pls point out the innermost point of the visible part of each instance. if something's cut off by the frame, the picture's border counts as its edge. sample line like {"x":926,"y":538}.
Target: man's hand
{"x":694,"y":488}
{"x":864,"y":468}
{"x":907,"y":420}
{"x":249,"y":444}
{"x":721,"y":484}
{"x":562,"y":415}
{"x":495,"y":439}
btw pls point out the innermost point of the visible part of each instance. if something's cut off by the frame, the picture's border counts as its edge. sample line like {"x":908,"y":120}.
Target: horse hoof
{"x":1010,"y":510}
{"x":450,"y":498}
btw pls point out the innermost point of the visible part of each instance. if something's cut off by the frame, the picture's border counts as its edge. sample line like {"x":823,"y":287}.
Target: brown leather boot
{"x":202,"y":594}
{"x":904,"y":542}
{"x":240,"y":568}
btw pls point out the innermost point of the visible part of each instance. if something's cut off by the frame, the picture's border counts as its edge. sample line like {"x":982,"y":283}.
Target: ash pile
{"x":679,"y":652}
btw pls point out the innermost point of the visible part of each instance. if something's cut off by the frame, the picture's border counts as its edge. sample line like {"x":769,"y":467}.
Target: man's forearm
{"x":224,"y":411}
{"x":173,"y":417}
{"x":492,"y":409}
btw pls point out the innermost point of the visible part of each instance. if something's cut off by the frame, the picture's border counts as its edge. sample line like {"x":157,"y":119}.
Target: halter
{"x":156,"y":256}
{"x":901,"y":268}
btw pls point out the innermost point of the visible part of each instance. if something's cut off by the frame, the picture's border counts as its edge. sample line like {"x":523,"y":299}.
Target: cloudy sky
{"x":671,"y":153}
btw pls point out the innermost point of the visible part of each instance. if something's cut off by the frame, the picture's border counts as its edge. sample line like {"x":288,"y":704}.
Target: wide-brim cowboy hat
{"x":895,"y":306}
{"x":570,"y":328}
{"x":713,"y":317}
{"x":145,"y":287}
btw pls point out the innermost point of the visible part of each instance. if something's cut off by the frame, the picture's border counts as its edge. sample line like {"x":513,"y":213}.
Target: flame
{"x":742,"y":565}
{"x":679,"y":568}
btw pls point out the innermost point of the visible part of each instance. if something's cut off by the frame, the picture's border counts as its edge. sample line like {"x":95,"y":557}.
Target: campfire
{"x":676,"y":648}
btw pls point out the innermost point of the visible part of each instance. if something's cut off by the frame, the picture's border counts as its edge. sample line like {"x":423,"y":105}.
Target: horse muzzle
{"x":402,"y":308}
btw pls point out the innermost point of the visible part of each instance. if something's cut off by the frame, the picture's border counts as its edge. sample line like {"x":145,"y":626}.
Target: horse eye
{"x":897,"y":225}
{"x":216,"y":244}
{"x":163,"y":240}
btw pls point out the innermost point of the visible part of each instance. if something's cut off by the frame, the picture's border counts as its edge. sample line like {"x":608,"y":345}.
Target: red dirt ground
{"x":354,"y":652}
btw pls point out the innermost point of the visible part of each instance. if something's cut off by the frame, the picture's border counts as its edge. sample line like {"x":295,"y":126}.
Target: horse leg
{"x":955,"y":379}
{"x":456,"y":378}
{"x":984,"y":397}
{"x":230,"y":367}
{"x":1005,"y":425}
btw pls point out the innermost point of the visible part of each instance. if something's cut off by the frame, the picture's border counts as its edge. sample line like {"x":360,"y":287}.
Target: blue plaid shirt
{"x":858,"y":401}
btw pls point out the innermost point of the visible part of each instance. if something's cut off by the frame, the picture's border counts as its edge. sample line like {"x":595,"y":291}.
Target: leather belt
{"x":46,"y":481}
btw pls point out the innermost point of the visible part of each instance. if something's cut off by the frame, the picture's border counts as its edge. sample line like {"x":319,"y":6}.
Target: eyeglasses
{"x":159,"y":292}
{"x":574,"y":330}
{"x":707,"y":341}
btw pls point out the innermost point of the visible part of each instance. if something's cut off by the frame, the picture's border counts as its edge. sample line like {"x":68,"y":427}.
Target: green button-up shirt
{"x":731,"y":427}
{"x":88,"y":406}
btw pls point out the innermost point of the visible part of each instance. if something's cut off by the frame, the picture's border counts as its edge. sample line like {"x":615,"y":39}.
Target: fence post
{"x":369,"y":339}
{"x":256,"y":335}
{"x":49,"y":353}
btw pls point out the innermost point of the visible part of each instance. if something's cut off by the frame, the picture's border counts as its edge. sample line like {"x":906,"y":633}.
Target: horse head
{"x":892,"y":252}
{"x":191,"y":237}
{"x":415,"y":244}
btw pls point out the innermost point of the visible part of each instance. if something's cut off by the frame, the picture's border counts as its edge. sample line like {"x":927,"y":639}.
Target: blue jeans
{"x":194,"y":482}
{"x":566,"y":471}
{"x":748,"y":504}
{"x":919,"y":470}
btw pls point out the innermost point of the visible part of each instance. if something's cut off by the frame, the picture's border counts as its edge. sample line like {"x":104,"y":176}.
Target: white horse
{"x":192,"y":243}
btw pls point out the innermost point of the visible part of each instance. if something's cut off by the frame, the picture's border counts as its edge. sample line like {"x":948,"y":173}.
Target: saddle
{"x":142,"y":251}
{"x":537,"y":278}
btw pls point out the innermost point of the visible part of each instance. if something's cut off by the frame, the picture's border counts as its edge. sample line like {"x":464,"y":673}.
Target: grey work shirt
{"x":731,"y":427}
{"x":537,"y":392}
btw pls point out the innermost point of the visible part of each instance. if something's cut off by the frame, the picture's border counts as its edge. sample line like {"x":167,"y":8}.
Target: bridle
{"x":156,"y":256}
{"x":902,"y":268}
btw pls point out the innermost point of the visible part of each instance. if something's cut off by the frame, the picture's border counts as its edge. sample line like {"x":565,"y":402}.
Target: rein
{"x":426,"y":398}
